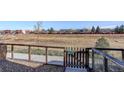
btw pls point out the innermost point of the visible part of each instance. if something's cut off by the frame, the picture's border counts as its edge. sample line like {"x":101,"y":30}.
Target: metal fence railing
{"x":105,"y":62}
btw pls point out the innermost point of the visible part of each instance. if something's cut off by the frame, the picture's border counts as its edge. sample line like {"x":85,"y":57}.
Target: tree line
{"x":93,"y":30}
{"x":119,"y":29}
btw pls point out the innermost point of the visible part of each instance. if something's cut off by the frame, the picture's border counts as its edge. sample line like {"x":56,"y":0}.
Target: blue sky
{"x":12,"y":25}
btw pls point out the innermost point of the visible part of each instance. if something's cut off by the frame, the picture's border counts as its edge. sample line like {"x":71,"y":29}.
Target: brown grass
{"x":67,"y":40}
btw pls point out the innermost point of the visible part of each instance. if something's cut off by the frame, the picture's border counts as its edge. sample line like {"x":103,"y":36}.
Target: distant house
{"x":27,"y":31}
{"x":3,"y":32}
{"x":22,"y":32}
{"x":17,"y":32}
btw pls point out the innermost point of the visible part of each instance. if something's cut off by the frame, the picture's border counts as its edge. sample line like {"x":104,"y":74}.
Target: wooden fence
{"x":76,"y":57}
{"x":29,"y":46}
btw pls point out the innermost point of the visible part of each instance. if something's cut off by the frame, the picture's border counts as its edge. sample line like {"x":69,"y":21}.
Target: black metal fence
{"x":106,"y":63}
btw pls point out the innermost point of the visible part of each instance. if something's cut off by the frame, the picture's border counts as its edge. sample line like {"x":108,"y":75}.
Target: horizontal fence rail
{"x":32,"y":45}
{"x":109,"y":49}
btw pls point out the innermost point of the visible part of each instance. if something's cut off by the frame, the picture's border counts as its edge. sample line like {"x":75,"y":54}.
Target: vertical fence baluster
{"x":93,"y":64}
{"x":46,"y":50}
{"x":69,"y":56}
{"x":12,"y":51}
{"x":80,"y":57}
{"x":64,"y":59}
{"x":77,"y":57}
{"x":72,"y":57}
{"x":88,"y":52}
{"x":65,"y":56}
{"x":83,"y":58}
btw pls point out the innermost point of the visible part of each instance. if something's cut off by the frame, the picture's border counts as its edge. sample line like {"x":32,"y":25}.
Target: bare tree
{"x":38,"y":29}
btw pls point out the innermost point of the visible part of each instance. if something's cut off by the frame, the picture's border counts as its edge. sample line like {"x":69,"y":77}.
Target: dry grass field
{"x":66,"y":40}
{"x":62,"y":40}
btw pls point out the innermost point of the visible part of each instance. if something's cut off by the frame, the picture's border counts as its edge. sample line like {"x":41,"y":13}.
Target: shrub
{"x":102,"y":43}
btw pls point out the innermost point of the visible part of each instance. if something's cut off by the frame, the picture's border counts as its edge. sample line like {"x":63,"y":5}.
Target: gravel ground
{"x":8,"y":66}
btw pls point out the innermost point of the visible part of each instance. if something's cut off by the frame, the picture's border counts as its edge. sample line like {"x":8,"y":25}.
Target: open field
{"x":64,"y":40}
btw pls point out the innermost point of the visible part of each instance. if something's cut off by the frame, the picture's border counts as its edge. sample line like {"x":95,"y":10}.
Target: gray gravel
{"x":7,"y":66}
{"x":58,"y":60}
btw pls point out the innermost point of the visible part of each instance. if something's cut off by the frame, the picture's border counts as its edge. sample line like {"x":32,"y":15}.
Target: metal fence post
{"x":105,"y":64}
{"x":12,"y":49}
{"x":87,"y":58}
{"x":122,"y":54}
{"x":93,"y":64}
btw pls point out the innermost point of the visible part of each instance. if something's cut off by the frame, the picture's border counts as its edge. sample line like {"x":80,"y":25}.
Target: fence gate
{"x":74,"y":57}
